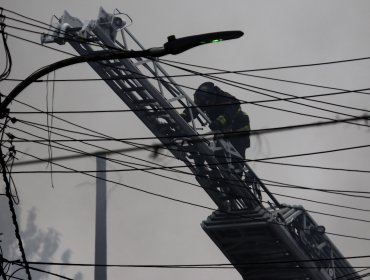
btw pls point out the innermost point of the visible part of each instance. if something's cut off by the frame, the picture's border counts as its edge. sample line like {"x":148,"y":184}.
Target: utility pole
{"x":100,"y":272}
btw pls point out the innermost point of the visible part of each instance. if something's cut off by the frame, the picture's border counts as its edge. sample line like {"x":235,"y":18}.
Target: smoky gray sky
{"x":143,"y":229}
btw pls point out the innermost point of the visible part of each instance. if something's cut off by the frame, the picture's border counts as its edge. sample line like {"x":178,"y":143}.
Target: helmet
{"x":205,"y":93}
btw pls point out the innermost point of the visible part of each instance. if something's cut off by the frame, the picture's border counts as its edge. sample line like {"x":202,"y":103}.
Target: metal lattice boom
{"x":262,"y":238}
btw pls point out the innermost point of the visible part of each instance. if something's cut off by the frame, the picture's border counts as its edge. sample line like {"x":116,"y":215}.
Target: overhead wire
{"x":173,"y":169}
{"x":94,"y":171}
{"x":300,"y":198}
{"x":331,"y":191}
{"x":243,"y":73}
{"x":182,"y":201}
{"x":313,"y":166}
{"x":181,"y":107}
{"x":82,"y":127}
{"x":230,"y":134}
{"x":223,"y":80}
{"x":248,"y":262}
{"x":44,"y":271}
{"x":239,"y":71}
{"x":9,"y":195}
{"x":237,"y":85}
{"x":247,"y":160}
{"x":8,"y":58}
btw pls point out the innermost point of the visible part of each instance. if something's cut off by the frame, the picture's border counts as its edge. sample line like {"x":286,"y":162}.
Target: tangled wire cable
{"x":8,"y":58}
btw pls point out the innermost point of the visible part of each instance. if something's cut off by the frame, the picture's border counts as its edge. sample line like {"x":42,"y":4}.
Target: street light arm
{"x":173,"y":46}
{"x":97,"y":56}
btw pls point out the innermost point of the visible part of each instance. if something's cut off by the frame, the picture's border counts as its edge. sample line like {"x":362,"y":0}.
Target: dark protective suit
{"x":225,"y":114}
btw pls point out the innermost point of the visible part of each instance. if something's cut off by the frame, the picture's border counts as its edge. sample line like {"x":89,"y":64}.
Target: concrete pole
{"x":101,"y":220}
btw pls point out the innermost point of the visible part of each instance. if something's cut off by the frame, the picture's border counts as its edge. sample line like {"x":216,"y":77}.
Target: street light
{"x":173,"y":46}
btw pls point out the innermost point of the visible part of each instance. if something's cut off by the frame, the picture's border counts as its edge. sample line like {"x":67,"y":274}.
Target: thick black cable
{"x":241,"y":161}
{"x":241,"y":72}
{"x":12,"y":210}
{"x":344,"y":191}
{"x":44,"y":271}
{"x":182,"y":107}
{"x":288,"y":164}
{"x":280,"y":185}
{"x":349,"y":274}
{"x":251,"y":262}
{"x":176,"y":107}
{"x":187,"y":173}
{"x":314,"y":166}
{"x":230,"y":134}
{"x":161,"y":167}
{"x":298,"y":65}
{"x":278,"y":99}
{"x":322,"y":202}
{"x":236,"y":84}
{"x":300,"y":104}
{"x":331,"y":191}
{"x":38,"y":44}
{"x":138,"y":169}
{"x":70,"y":38}
{"x":8,"y":57}
{"x":176,"y":200}
{"x":341,"y":194}
{"x":290,"y":96}
{"x":178,"y":180}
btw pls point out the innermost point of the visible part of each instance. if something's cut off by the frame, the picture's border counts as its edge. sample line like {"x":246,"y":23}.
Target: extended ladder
{"x":250,"y":225}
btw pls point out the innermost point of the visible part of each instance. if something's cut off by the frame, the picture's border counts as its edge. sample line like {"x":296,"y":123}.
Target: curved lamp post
{"x":173,"y":46}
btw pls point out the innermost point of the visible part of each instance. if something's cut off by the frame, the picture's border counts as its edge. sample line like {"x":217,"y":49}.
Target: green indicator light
{"x":212,"y":41}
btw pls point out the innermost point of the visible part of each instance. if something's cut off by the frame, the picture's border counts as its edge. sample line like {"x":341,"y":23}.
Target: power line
{"x":314,"y":166}
{"x":119,"y":151}
{"x":35,"y":43}
{"x":43,"y":271}
{"x":242,"y":72}
{"x":331,"y":191}
{"x":324,"y":203}
{"x":290,"y":101}
{"x":341,"y":194}
{"x":203,"y":265}
{"x":289,"y":186}
{"x":227,"y":134}
{"x":11,"y":206}
{"x":240,"y":161}
{"x":289,"y":111}
{"x":145,"y":169}
{"x":179,"y":200}
{"x":183,"y":107}
{"x":237,"y":85}
{"x":297,"y":65}
{"x":82,"y":172}
{"x":239,"y":71}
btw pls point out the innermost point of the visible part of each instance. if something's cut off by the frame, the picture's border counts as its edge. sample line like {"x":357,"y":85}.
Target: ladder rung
{"x":145,"y":102}
{"x":133,"y":89}
{"x":156,"y":113}
{"x":141,"y":62}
